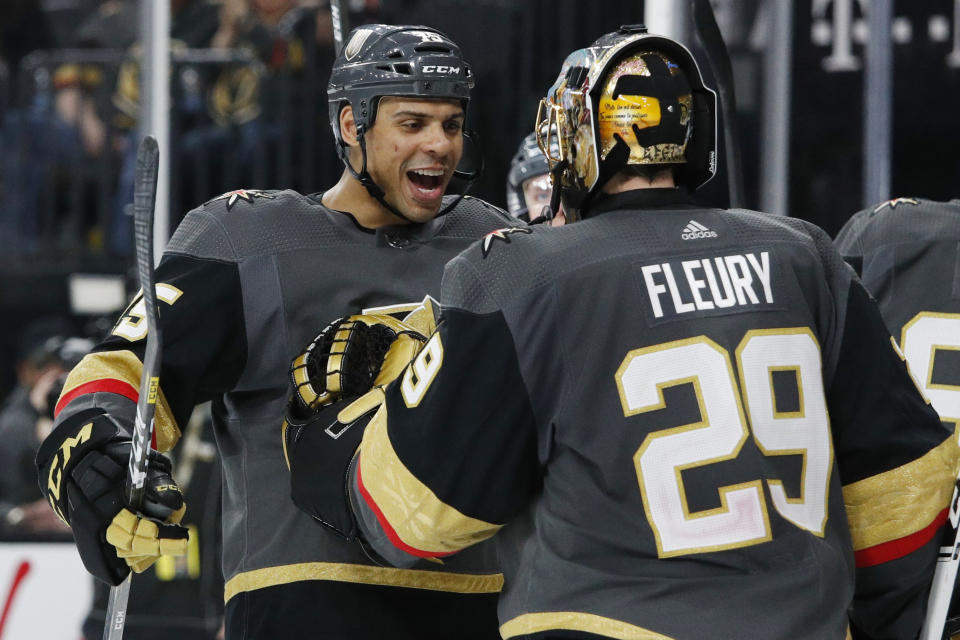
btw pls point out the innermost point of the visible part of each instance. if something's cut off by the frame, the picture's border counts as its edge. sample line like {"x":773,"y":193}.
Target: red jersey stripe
{"x":388,"y":529}
{"x":894,"y":549}
{"x":107,"y":385}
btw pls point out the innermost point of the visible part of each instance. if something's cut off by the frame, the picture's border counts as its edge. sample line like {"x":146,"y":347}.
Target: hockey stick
{"x":144,"y":199}
{"x":945,"y":575}
{"x":341,"y":24}
{"x":719,"y":59}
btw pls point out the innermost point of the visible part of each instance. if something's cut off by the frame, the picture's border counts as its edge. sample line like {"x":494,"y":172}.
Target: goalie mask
{"x":629,"y":99}
{"x":379,"y":60}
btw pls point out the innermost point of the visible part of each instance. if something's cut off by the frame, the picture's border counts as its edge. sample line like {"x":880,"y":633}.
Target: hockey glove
{"x":319,"y":451}
{"x":349,"y":357}
{"x":82,"y":470}
{"x":424,"y":317}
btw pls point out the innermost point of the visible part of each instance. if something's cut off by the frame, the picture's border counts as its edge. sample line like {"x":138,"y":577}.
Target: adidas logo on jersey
{"x":694,"y":230}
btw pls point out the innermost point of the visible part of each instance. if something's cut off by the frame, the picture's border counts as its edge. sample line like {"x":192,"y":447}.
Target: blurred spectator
{"x":295,"y":99}
{"x":44,"y":356}
{"x":216,"y":106}
{"x":86,"y":111}
{"x":294,"y":42}
{"x":68,"y":150}
{"x":251,"y":22}
{"x":23,"y":28}
{"x":80,"y":100}
{"x":60,"y":123}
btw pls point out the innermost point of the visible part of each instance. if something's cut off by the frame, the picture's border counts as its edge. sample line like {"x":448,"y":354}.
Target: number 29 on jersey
{"x":742,"y":518}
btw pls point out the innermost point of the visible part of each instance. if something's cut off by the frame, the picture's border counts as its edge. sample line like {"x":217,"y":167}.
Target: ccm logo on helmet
{"x":440,"y":68}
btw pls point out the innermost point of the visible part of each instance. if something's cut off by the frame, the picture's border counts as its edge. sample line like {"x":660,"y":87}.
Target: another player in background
{"x":686,"y":424}
{"x":907,"y":252}
{"x":528,"y":182}
{"x":44,"y":353}
{"x":243,"y":285}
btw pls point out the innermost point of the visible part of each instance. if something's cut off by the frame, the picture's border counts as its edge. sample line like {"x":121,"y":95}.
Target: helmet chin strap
{"x":377,"y":193}
{"x":364,"y":178}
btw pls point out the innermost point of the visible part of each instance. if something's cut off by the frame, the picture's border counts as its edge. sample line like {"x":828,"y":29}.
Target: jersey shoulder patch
{"x":250,"y":196}
{"x":895,"y":202}
{"x":504,"y":235}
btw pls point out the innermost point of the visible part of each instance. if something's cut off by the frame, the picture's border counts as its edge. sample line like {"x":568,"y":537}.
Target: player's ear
{"x":348,"y":126}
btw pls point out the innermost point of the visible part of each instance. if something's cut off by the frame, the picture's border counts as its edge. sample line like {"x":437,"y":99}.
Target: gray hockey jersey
{"x":907,"y":250}
{"x":908,"y":253}
{"x":683,"y":423}
{"x":247,"y":280}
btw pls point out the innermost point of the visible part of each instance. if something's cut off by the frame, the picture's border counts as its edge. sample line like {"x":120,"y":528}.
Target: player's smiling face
{"x":412,"y":150}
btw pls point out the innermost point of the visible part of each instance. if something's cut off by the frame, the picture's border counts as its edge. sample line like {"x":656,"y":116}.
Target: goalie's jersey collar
{"x":642,"y":199}
{"x":398,"y":236}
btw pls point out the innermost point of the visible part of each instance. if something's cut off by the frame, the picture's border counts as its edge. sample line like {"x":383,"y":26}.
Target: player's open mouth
{"x":427,"y":183}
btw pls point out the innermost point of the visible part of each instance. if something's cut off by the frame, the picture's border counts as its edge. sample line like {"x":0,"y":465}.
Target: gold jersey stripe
{"x":363,"y":574}
{"x":415,"y":514}
{"x":576,"y":621}
{"x":125,"y":366}
{"x":904,"y":500}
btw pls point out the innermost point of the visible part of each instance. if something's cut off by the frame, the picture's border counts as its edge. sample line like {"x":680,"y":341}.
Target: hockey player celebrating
{"x":687,"y":423}
{"x":242,"y":284}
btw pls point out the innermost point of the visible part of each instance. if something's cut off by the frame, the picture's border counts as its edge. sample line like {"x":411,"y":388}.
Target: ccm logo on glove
{"x":59,"y":462}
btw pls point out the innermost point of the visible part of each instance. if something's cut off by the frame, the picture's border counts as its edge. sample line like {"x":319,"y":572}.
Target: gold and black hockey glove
{"x":351,"y":358}
{"x":82,"y":467}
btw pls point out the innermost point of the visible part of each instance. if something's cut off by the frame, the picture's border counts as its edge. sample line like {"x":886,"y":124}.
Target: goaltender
{"x":682,"y":423}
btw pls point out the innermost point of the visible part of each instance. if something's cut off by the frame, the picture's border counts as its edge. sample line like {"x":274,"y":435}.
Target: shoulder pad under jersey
{"x":256,"y":224}
{"x":473,"y":218}
{"x":902,"y":220}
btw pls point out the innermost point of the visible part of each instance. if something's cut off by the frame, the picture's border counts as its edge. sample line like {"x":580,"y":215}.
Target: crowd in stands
{"x":242,"y":72}
{"x":69,"y":104}
{"x":248,"y":109}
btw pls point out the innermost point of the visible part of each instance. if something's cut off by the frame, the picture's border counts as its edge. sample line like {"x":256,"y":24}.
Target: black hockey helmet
{"x":630,"y":98}
{"x":528,"y":162}
{"x":384,"y":60}
{"x":380,"y":60}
